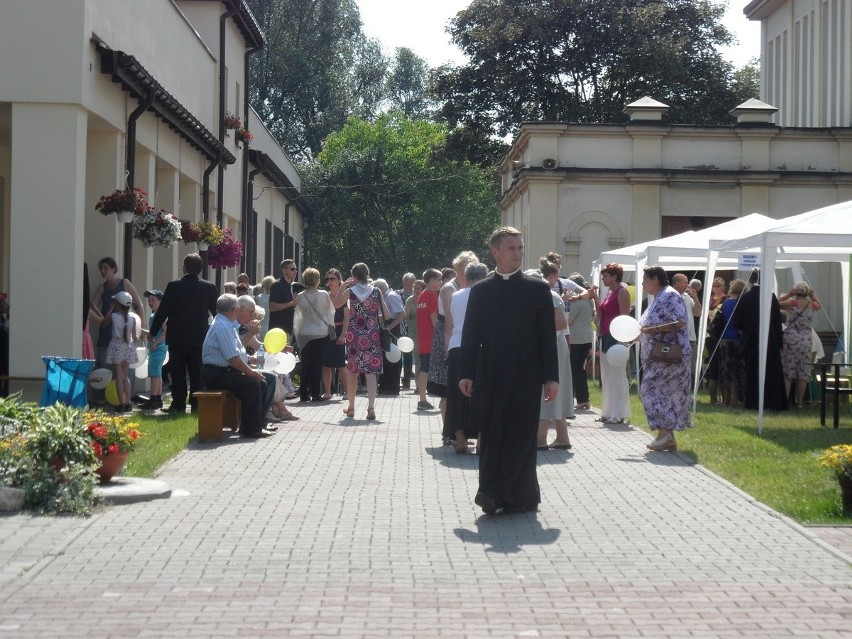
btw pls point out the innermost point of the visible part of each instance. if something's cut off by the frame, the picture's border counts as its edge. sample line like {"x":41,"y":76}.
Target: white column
{"x":47,"y":230}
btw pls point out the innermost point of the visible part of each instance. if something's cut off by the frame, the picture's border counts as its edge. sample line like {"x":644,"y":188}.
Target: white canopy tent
{"x":819,"y":236}
{"x":694,"y":250}
{"x":676,"y":255}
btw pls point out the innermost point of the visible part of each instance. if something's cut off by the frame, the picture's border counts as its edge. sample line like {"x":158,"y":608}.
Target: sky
{"x":419,"y":25}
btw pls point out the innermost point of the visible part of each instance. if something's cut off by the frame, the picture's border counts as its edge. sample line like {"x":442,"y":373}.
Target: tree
{"x":385,"y":193}
{"x":407,"y":85}
{"x":316,"y":70}
{"x":747,"y":81}
{"x":583,"y":60}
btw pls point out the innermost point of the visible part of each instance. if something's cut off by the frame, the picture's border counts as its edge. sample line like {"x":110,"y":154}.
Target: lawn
{"x":163,"y":437}
{"x":778,"y":468}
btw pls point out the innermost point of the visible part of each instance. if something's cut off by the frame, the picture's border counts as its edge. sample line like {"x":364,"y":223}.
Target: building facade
{"x":97,"y":95}
{"x":806,"y":60}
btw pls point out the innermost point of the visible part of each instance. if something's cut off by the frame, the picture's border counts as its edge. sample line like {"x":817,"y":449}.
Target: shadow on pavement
{"x":501,"y":533}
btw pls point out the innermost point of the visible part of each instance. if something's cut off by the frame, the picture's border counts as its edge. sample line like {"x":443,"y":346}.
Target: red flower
{"x":134,"y":434}
{"x":112,"y":449}
{"x":99,"y":450}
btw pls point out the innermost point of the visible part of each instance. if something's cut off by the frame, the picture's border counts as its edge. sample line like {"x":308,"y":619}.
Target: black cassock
{"x":508,"y":350}
{"x":746,"y":318}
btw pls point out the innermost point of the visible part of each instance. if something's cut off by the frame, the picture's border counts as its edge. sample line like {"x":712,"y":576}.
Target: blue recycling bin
{"x":66,"y":381}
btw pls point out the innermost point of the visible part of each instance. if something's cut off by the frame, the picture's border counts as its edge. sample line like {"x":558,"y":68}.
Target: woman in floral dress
{"x":800,"y":303}
{"x":363,"y":348}
{"x":664,"y":388}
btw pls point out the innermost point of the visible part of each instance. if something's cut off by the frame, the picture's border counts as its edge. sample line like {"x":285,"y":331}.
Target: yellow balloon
{"x":632,"y":290}
{"x":111,"y":393}
{"x":275,"y":341}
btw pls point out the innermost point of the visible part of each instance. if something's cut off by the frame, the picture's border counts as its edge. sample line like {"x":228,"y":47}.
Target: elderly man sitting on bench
{"x":225,"y":366}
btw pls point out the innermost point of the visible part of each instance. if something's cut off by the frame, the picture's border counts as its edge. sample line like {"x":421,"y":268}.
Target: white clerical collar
{"x":506,"y":276}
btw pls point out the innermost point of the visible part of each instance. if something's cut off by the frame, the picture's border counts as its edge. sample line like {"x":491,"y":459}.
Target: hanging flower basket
{"x":245,"y":136}
{"x":211,"y":233}
{"x":189,"y":232}
{"x":157,"y":228}
{"x":233,"y":122}
{"x":124,"y":204}
{"x":228,"y":253}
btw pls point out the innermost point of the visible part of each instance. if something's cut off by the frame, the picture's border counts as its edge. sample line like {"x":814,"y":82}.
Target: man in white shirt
{"x":680,"y":283}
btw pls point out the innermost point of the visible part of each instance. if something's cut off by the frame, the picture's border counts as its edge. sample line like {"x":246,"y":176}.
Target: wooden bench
{"x":839,"y":386}
{"x":216,"y":410}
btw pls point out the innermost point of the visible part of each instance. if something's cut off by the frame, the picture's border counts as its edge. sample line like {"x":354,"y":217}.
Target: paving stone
{"x":343,"y":527}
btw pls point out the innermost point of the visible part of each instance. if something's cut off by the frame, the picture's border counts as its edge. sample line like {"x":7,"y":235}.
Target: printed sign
{"x":749,"y":261}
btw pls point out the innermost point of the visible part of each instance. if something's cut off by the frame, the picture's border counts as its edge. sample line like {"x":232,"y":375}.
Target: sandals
{"x":349,"y":412}
{"x":371,"y":414}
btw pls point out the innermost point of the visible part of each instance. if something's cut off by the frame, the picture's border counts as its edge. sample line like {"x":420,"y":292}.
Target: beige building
{"x":806,"y":60}
{"x":583,"y":189}
{"x":98,"y":94}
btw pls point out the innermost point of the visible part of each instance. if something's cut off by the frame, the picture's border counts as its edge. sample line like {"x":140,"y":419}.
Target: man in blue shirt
{"x":224,"y":366}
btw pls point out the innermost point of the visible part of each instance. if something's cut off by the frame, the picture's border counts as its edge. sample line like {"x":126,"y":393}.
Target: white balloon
{"x":394,"y":354}
{"x":100,"y":378}
{"x":142,"y":370}
{"x":287,"y":364}
{"x":624,"y":328}
{"x":271,"y":362}
{"x":617,"y":355}
{"x":141,"y":357}
{"x":406,"y":344}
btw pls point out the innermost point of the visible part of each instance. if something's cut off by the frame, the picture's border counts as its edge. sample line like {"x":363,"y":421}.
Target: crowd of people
{"x":505,"y":352}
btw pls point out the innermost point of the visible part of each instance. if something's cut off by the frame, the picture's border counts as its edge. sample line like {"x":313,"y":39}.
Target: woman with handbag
{"x":665,"y":352}
{"x":312,"y":323}
{"x":363,"y":343}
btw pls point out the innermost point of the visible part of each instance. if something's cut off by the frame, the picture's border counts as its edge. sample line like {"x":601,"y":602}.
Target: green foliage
{"x":388,"y":194}
{"x":59,"y":432}
{"x":780,"y":468}
{"x":316,"y":70}
{"x":407,"y":85}
{"x":47,"y":452}
{"x":584,"y":60}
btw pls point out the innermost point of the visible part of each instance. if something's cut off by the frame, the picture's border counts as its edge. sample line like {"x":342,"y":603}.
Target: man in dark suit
{"x":187,"y":304}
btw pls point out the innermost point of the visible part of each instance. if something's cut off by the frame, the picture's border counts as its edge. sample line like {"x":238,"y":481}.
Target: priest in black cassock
{"x":508,"y":352}
{"x":746,"y":318}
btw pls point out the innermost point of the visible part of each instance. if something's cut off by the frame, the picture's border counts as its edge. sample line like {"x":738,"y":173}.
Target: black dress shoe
{"x":519,"y":509}
{"x":176,"y":408}
{"x":258,"y":434}
{"x":488,"y":505}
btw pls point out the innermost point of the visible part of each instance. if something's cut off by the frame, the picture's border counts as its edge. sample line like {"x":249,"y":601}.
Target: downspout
{"x":249,"y":230}
{"x":205,"y":205}
{"x":249,"y":200}
{"x":287,"y":230}
{"x":130,"y":166}
{"x":220,"y":181}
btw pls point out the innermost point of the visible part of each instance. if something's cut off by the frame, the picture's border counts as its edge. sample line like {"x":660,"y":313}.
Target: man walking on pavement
{"x":282,"y":299}
{"x":508,"y":353}
{"x":187,"y":304}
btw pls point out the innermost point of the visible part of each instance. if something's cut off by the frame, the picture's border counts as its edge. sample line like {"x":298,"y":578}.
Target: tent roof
{"x":811,"y":235}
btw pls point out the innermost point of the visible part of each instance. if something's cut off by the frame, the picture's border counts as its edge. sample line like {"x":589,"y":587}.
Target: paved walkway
{"x":346,"y":528}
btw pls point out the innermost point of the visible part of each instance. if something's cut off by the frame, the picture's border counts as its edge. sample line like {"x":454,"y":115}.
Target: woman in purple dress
{"x":664,"y":388}
{"x":363,"y":348}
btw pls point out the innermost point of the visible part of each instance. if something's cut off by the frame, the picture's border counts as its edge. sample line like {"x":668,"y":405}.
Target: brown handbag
{"x":666,"y":353}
